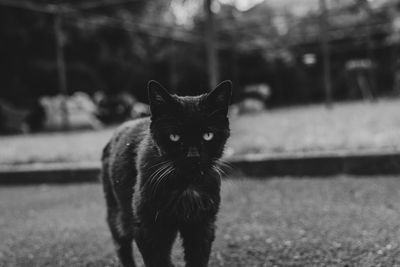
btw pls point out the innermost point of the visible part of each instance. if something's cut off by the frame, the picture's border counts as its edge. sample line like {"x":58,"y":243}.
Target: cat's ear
{"x":220,"y":98}
{"x":158,"y":97}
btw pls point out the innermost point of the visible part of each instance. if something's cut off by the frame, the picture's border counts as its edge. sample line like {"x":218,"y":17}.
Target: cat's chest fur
{"x":183,"y":198}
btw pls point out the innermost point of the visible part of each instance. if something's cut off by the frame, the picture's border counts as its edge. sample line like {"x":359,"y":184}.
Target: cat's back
{"x":124,"y":143}
{"x":118,"y":173}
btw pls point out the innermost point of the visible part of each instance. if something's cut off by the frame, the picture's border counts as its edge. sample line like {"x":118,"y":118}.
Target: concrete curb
{"x":50,"y":173}
{"x":260,"y":166}
{"x":319,"y":165}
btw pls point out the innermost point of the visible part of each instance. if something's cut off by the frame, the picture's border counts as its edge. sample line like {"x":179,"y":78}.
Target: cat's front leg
{"x":155,"y":244}
{"x":197,"y":241}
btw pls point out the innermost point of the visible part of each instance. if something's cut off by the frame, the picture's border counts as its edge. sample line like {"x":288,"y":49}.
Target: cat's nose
{"x":193,"y":152}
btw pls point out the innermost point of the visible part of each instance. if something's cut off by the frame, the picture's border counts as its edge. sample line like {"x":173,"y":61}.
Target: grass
{"x":354,"y":126}
{"x":345,"y":221}
{"x":54,"y":147}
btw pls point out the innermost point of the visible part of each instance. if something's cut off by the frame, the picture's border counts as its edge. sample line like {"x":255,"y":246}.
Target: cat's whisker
{"x":221,"y":171}
{"x":163,"y":175}
{"x":164,"y":165}
{"x":160,"y":178}
{"x":217,"y":170}
{"x":168,"y":172}
{"x":224,"y":164}
{"x":158,"y":164}
{"x":157,"y":179}
{"x":153,"y":177}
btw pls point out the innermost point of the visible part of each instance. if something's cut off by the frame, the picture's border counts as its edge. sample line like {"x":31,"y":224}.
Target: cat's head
{"x":190,"y":131}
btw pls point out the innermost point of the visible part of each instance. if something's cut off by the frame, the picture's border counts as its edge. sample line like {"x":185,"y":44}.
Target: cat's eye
{"x":208,"y":136}
{"x":174,"y":137}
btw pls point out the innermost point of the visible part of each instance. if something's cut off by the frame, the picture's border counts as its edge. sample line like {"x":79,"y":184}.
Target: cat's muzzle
{"x":193,"y":152}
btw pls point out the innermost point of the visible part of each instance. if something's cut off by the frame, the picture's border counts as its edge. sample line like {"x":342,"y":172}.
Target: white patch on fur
{"x":191,"y":193}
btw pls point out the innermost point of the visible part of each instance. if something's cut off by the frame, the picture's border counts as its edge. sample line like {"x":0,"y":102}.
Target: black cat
{"x":161,"y":176}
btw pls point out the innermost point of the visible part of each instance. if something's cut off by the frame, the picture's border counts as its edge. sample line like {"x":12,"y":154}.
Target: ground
{"x":354,"y":126}
{"x":341,"y":221}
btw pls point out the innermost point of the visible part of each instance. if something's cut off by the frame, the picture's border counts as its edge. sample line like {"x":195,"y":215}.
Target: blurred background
{"x":71,"y":64}
{"x":315,"y":75}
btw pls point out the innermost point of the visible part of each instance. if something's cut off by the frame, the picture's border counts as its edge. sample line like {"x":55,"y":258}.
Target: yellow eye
{"x":174,"y":137}
{"x":208,"y":136}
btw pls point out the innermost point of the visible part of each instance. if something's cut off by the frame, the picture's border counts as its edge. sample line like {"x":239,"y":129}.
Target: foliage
{"x":118,"y":48}
{"x":102,"y":50}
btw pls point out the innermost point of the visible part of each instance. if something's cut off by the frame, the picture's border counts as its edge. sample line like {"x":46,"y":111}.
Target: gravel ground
{"x":354,"y":126}
{"x":342,"y":221}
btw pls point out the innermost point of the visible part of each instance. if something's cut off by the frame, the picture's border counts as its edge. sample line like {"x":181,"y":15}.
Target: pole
{"x":61,"y":70}
{"x":325,"y":52}
{"x":211,"y":46}
{"x":173,"y":74}
{"x":370,"y":51}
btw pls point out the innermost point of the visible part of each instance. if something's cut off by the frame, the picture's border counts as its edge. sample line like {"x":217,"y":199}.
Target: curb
{"x":261,"y":166}
{"x":50,"y":173}
{"x":319,"y":165}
